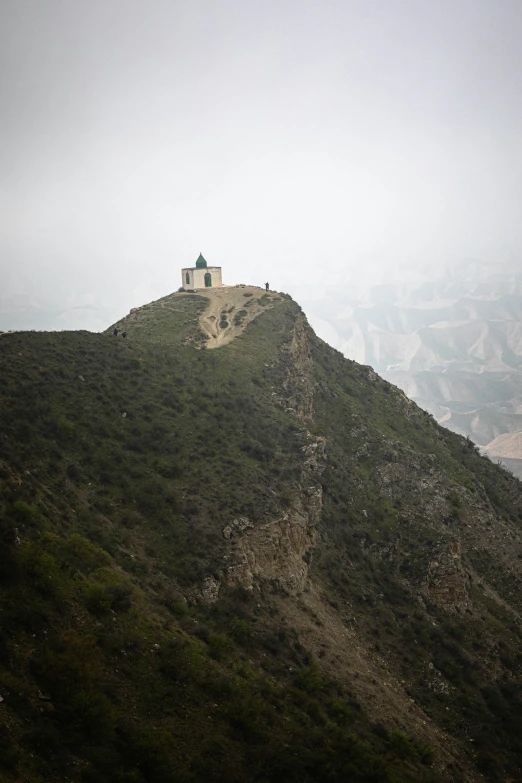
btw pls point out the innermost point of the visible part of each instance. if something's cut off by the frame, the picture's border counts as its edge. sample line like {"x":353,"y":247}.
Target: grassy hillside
{"x":127,"y":650}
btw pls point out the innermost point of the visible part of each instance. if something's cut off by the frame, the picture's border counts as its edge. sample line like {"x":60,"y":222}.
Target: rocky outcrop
{"x":299,"y":383}
{"x":447,"y":581}
{"x":276,"y":554}
{"x":209,"y":590}
{"x":461,"y":533}
{"x":237,"y":527}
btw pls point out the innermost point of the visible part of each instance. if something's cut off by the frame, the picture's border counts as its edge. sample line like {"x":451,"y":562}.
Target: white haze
{"x":300,"y":143}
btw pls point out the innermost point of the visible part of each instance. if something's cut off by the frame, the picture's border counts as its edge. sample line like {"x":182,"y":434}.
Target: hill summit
{"x":255,"y":563}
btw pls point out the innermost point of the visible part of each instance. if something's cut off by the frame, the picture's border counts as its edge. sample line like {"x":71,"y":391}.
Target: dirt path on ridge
{"x":230,"y":310}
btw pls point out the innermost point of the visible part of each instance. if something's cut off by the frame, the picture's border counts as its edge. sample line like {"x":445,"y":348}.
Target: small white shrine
{"x":201,"y":276}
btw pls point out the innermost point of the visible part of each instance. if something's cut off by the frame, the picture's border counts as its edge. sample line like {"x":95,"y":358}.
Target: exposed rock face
{"x":209,"y":590}
{"x":278,"y":553}
{"x":275,"y":553}
{"x":447,"y":581}
{"x":299,"y":383}
{"x":237,"y":527}
{"x":459,"y":530}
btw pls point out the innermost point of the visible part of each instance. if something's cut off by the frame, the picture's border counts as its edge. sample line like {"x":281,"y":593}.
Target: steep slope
{"x":255,"y":563}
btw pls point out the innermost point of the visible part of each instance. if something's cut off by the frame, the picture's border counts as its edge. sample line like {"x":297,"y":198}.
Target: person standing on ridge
{"x":266,"y":286}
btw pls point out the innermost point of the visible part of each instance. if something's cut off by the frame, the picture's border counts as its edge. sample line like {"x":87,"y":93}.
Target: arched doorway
{"x":187,"y":278}
{"x":208,"y":280}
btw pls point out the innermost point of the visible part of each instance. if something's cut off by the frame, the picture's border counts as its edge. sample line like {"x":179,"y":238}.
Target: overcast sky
{"x":284,"y":139}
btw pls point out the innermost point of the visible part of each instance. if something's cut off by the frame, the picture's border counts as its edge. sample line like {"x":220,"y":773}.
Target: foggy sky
{"x":283,"y":139}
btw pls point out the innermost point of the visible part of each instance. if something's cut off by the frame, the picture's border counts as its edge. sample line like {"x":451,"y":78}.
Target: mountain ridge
{"x":255,"y":547}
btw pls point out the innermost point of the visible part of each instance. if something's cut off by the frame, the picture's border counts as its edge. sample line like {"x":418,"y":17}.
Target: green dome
{"x":201,"y":263}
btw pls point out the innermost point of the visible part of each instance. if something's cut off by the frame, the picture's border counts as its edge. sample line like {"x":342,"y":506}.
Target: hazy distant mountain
{"x":69,"y":308}
{"x":27,"y":313}
{"x":453,"y":344}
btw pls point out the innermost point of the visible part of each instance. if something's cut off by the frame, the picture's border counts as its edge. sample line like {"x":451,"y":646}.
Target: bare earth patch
{"x":231,"y":309}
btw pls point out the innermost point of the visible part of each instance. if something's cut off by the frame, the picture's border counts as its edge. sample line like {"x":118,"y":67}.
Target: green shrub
{"x":402,"y":746}
{"x":65,"y":428}
{"x":82,"y":555}
{"x":310,"y":678}
{"x":182,"y":660}
{"x":340,"y":711}
{"x":219,"y":646}
{"x":107,"y":590}
{"x":167,"y":468}
{"x":27,"y":514}
{"x":97,"y":598}
{"x":240,"y":317}
{"x":246,"y":711}
{"x":43,"y":571}
{"x":239,"y":630}
{"x":179,"y":609}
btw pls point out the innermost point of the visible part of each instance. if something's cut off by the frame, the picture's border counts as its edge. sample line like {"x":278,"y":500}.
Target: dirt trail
{"x":230,"y":310}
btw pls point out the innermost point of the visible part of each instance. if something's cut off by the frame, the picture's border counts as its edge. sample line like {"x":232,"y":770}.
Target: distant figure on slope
{"x":267,"y":286}
{"x":115,"y":332}
{"x":124,"y":334}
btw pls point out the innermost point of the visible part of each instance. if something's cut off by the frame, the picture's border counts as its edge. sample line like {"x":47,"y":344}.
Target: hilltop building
{"x":201,"y":275}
